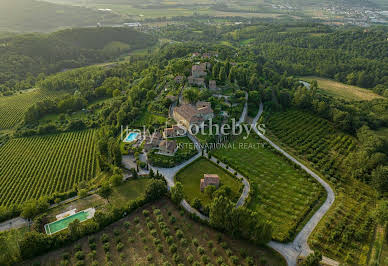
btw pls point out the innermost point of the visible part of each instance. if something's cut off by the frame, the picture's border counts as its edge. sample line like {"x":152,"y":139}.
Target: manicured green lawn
{"x":283,"y":195}
{"x":191,"y":177}
{"x":130,"y":190}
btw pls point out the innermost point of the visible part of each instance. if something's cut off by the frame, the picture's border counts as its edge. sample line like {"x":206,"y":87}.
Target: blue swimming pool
{"x":131,"y":137}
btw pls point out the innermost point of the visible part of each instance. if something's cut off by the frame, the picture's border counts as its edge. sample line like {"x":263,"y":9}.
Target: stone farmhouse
{"x":188,"y":114}
{"x":162,"y":146}
{"x":198,"y":72}
{"x":168,"y":147}
{"x":174,"y":132}
{"x":209,"y":180}
{"x":196,"y":81}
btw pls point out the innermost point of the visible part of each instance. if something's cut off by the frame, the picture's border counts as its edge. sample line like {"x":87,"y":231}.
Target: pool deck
{"x":66,"y":214}
{"x":129,"y":139}
{"x":90,"y":212}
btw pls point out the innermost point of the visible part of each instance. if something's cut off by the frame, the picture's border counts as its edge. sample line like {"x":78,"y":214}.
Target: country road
{"x":299,"y":246}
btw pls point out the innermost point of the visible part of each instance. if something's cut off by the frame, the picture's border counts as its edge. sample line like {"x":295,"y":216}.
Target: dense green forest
{"x":24,"y":57}
{"x":44,"y":16}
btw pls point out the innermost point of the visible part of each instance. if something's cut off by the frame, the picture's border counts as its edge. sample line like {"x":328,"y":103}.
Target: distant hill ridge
{"x":33,"y":15}
{"x":48,"y":53}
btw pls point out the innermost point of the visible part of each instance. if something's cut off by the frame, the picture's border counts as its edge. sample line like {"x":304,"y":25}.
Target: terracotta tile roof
{"x":169,"y":145}
{"x":204,"y":108}
{"x":211,"y":179}
{"x":187,"y":111}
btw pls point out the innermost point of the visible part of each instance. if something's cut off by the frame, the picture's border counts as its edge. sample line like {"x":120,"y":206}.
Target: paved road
{"x":245,"y":111}
{"x":299,"y":246}
{"x":14,"y":223}
{"x":247,"y":187}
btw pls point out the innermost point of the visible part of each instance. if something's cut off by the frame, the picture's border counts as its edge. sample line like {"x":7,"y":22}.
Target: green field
{"x":130,"y":190}
{"x":340,"y":90}
{"x":161,"y":236}
{"x":346,"y":232}
{"x":12,"y":108}
{"x":282,"y":194}
{"x":36,"y":166}
{"x":191,"y":177}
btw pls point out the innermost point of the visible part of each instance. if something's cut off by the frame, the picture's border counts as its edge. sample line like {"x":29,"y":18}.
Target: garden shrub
{"x":104,"y":238}
{"x":79,"y":255}
{"x":184,"y":242}
{"x":205,"y":259}
{"x":127,"y":224}
{"x":176,"y":258}
{"x":173,"y":248}
{"x":234,"y":260}
{"x":190,"y":258}
{"x":169,"y":240}
{"x":106,"y":247}
{"x":172,"y":220}
{"x":195,"y":242}
{"x":250,"y":261}
{"x":214,"y":251}
{"x":120,"y":246}
{"x":201,"y":250}
{"x":179,"y":234}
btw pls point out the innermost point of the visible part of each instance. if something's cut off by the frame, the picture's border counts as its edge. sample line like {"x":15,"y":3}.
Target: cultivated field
{"x":346,"y":232}
{"x":160,"y":235}
{"x":312,"y":138}
{"x":36,"y":166}
{"x":191,"y":177}
{"x":12,"y":108}
{"x":282,"y":194}
{"x":319,"y":145}
{"x":341,"y":90}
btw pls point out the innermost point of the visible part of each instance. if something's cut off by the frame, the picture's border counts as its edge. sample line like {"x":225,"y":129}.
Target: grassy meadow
{"x":340,"y":90}
{"x":130,"y":190}
{"x":191,"y":177}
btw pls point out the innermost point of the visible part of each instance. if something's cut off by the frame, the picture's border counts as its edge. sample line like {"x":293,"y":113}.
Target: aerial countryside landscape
{"x":203,"y":133}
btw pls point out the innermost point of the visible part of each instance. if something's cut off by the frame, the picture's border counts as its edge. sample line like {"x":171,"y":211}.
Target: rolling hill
{"x":26,"y":16}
